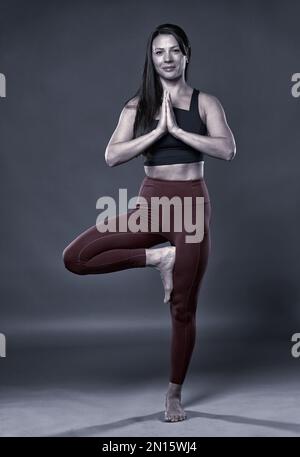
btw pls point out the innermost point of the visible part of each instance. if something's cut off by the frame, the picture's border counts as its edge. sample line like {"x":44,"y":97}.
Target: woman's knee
{"x":183,"y":314}
{"x":72,"y":263}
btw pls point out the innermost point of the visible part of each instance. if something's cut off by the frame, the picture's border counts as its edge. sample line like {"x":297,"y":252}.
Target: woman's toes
{"x":170,"y":418}
{"x":167,"y":296}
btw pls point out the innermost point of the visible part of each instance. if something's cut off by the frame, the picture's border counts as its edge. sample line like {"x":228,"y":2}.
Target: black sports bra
{"x":168,"y":149}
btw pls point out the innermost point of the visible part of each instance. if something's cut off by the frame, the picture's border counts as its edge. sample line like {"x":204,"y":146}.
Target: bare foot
{"x":163,"y":259}
{"x":174,"y":412}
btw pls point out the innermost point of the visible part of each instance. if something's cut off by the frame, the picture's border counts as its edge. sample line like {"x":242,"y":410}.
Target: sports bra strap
{"x":194,"y":101}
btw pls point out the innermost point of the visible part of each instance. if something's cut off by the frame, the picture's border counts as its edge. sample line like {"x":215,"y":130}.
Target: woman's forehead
{"x":164,"y":41}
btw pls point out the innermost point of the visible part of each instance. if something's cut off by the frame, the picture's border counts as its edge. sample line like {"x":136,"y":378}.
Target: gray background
{"x":69,"y":67}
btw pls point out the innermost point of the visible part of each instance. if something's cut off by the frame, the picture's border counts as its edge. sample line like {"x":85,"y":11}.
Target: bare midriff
{"x":176,"y":171}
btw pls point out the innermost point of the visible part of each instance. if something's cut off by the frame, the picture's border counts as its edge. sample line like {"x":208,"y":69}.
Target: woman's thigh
{"x":95,"y":240}
{"x":190,"y":265}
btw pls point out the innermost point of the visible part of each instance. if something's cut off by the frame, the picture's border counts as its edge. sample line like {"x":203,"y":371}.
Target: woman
{"x":172,"y":125}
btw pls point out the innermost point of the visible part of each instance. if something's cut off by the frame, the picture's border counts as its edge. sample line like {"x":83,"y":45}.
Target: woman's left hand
{"x":171,"y":120}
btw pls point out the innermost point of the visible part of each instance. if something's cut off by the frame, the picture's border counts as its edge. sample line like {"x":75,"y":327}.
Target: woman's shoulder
{"x":206,"y":98}
{"x":132,"y":103}
{"x":206,"y":102}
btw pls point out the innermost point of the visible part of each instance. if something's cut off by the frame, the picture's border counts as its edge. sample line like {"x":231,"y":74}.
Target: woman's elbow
{"x":231,"y":155}
{"x":110,"y":162}
{"x":230,"y":151}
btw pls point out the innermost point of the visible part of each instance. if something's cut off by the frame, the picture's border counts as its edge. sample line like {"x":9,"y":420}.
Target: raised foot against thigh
{"x":163,"y":259}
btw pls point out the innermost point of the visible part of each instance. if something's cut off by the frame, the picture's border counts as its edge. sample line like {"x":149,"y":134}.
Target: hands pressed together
{"x":167,"y":121}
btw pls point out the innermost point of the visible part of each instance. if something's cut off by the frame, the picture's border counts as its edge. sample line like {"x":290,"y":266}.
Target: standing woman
{"x":171,"y":125}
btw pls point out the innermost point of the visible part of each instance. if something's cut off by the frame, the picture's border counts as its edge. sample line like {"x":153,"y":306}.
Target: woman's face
{"x":166,"y":53}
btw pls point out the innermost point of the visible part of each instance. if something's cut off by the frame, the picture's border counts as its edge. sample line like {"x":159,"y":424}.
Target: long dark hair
{"x":150,"y":91}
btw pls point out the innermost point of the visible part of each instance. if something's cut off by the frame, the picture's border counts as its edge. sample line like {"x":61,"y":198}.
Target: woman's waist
{"x":177,"y":171}
{"x":157,"y":187}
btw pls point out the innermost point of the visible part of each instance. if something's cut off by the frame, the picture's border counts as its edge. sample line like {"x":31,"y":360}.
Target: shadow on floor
{"x":99,"y":429}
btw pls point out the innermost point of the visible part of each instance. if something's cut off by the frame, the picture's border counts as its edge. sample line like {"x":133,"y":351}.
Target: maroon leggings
{"x":93,"y":252}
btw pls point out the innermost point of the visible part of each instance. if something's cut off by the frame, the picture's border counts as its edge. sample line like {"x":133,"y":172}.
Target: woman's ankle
{"x":174,"y":390}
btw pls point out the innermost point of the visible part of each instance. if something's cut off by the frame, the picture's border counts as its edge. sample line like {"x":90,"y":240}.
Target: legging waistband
{"x":170,"y":187}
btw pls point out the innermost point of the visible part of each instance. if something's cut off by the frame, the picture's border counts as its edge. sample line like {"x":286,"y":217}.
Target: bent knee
{"x":72,"y":263}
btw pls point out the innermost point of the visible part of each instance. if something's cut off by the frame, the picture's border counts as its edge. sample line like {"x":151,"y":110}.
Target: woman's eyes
{"x":175,"y":50}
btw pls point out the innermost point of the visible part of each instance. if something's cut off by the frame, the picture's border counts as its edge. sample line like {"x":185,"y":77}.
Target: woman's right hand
{"x":162,"y":123}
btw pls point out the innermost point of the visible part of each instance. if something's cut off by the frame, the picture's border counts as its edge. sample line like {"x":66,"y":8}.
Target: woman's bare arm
{"x":122,"y":147}
{"x":219,"y":142}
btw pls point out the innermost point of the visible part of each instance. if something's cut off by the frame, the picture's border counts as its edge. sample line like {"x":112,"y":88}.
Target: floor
{"x":260,"y":408}
{"x":56,"y":388}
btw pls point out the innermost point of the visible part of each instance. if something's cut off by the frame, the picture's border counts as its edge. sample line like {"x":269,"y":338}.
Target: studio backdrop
{"x":67,"y":68}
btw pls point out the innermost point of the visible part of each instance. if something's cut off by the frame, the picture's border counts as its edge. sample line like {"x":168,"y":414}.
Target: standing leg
{"x":189,"y":269}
